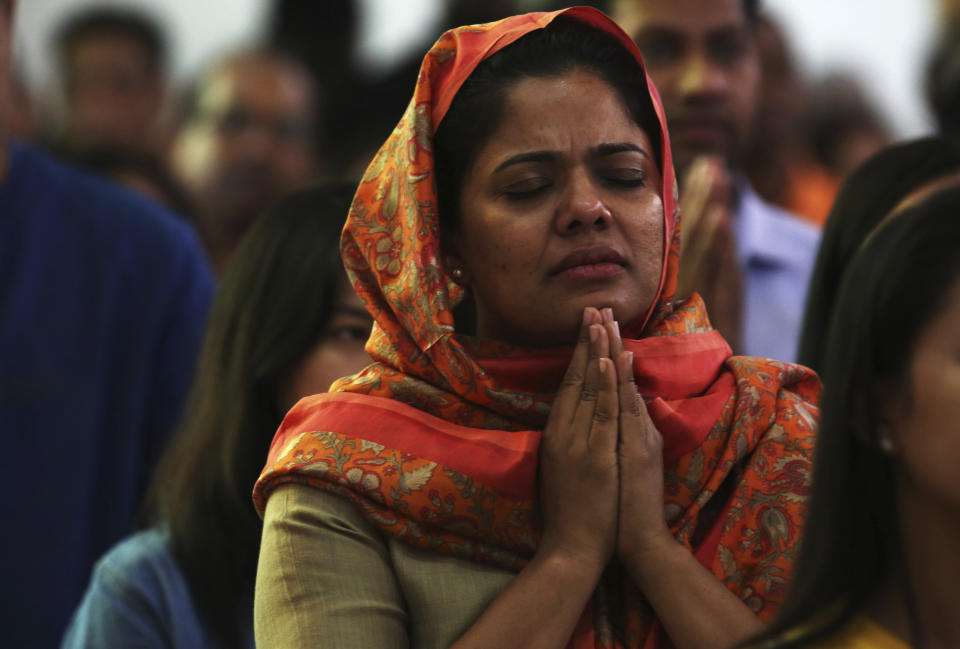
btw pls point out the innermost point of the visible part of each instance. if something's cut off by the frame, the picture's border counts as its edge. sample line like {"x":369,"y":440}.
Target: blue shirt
{"x":103,"y":296}
{"x":139,"y":599}
{"x":777,"y":251}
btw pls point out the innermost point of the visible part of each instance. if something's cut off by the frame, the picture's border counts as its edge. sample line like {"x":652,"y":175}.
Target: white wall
{"x":197,"y":30}
{"x":884,"y":41}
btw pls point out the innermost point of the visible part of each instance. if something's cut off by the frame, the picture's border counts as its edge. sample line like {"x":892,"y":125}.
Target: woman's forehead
{"x":577,"y":110}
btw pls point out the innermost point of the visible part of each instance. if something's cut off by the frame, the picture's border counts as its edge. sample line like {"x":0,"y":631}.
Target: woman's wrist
{"x":569,"y":564}
{"x":644,"y":557}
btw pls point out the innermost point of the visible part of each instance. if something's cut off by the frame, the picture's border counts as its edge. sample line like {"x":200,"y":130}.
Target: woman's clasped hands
{"x":601,"y":457}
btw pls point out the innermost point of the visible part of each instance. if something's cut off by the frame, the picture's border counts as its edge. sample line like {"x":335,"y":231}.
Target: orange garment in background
{"x":436,"y":441}
{"x":811,"y":191}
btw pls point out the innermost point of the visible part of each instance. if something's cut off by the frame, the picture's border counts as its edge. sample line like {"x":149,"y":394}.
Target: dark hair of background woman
{"x":271,"y":308}
{"x":852,"y":543}
{"x":867,"y":196}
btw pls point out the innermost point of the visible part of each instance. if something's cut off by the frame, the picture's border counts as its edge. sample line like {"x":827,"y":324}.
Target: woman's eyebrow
{"x":530,"y":156}
{"x":607,"y":148}
{"x":610,"y":148}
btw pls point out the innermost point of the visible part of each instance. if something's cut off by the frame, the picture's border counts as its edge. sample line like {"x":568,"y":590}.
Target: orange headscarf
{"x":436,"y":441}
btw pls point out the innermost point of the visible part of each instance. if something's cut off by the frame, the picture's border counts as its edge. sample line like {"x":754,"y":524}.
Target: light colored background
{"x":885,"y":42}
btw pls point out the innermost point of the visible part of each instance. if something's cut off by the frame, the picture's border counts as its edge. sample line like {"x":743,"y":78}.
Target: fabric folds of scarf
{"x":436,"y":441}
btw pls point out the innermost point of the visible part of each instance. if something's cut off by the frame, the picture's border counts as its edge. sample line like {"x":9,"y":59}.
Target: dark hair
{"x":894,"y":287}
{"x":113,"y":163}
{"x":271,"y":307}
{"x":865,"y":199}
{"x":100,"y":21}
{"x":751,"y":8}
{"x":564,"y":45}
{"x":942,"y":81}
{"x":838,"y":107}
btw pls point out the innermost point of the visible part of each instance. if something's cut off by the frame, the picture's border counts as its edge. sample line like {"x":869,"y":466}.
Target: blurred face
{"x":560,"y":210}
{"x":702,"y":57}
{"x":250,"y":142}
{"x":113,"y":94}
{"x":925,"y":425}
{"x":339,"y":352}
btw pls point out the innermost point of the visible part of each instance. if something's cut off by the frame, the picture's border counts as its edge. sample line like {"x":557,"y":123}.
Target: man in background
{"x":112,"y":74}
{"x":103,"y":296}
{"x":246,"y":140}
{"x":749,"y":260}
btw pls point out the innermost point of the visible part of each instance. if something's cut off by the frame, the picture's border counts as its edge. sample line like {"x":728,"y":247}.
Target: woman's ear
{"x":893,"y":407}
{"x":456,"y":270}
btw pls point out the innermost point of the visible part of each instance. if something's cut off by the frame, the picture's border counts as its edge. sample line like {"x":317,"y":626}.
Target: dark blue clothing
{"x":103,"y":296}
{"x":139,"y":599}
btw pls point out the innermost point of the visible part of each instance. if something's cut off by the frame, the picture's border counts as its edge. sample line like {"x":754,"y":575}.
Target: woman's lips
{"x":590,"y":264}
{"x":591,"y":272}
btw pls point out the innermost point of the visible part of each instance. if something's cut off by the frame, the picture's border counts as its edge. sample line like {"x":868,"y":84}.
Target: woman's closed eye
{"x":526,"y":188}
{"x":626,"y":177}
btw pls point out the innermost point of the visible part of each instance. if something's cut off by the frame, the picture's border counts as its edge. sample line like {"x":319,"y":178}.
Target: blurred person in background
{"x":285,"y":324}
{"x":896,"y":175}
{"x":878,"y":566}
{"x":778,"y":159}
{"x":844,"y":126}
{"x":942,"y":81}
{"x":142,"y":172}
{"x":113,"y":80}
{"x":103,"y":296}
{"x":748,"y":259}
{"x":246,"y":139}
{"x":18,"y":110}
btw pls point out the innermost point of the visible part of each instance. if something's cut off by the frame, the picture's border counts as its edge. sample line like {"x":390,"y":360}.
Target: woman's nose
{"x":582,"y":208}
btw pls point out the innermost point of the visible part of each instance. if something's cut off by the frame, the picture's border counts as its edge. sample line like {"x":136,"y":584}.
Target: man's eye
{"x":660,"y":51}
{"x":727,"y":50}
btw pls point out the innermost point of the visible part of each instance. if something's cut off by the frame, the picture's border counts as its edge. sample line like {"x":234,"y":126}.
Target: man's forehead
{"x":679,"y":16}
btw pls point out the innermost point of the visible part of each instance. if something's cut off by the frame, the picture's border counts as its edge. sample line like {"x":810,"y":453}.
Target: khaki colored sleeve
{"x":324,"y":577}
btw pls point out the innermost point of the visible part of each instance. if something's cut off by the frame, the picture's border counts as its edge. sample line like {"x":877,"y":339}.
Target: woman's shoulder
{"x":137,"y":597}
{"x":138,"y":559}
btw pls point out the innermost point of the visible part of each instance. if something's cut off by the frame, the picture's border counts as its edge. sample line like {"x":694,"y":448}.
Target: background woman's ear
{"x":892,"y":407}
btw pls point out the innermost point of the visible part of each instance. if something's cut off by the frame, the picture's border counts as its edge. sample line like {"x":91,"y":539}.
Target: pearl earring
{"x":457,"y":274}
{"x":885,"y":441}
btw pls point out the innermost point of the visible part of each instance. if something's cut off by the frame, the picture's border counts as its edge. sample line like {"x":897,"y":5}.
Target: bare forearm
{"x":696,"y":610}
{"x":539,"y":609}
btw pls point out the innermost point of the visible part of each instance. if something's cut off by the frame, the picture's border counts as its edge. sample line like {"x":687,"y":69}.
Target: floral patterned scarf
{"x":436,"y":441}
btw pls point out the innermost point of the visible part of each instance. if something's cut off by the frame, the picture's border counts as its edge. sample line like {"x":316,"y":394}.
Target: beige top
{"x":863,"y":633}
{"x":329,"y":578}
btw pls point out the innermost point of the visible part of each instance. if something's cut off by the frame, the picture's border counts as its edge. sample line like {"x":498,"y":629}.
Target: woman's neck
{"x":931,"y":535}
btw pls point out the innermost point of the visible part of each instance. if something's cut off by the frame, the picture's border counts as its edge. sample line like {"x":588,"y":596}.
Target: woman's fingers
{"x":590,"y":392}
{"x":606,"y":415}
{"x":613,"y":333}
{"x":631,"y":403}
{"x":568,"y":395}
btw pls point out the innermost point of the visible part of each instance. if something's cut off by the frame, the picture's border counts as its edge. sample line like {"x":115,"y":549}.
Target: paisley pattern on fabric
{"x":436,"y":441}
